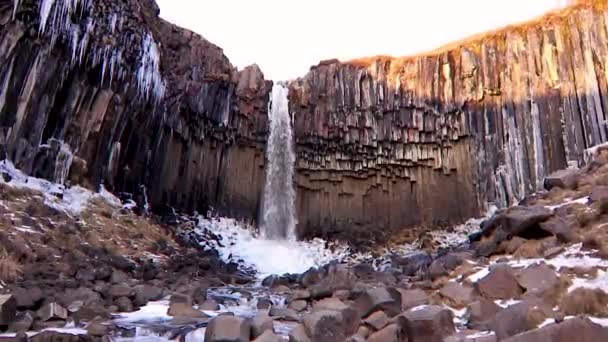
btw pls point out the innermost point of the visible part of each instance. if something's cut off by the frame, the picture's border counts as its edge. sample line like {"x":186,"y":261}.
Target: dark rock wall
{"x":141,"y":103}
{"x":387,"y":143}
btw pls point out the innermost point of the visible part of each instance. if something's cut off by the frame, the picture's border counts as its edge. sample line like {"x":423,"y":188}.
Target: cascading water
{"x":278,"y":215}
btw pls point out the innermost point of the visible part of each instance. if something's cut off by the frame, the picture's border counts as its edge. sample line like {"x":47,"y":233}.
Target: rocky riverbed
{"x":82,"y":266}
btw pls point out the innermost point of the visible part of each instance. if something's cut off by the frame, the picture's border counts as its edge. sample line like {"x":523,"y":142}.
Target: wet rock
{"x":52,"y":311}
{"x":377,"y":320}
{"x":87,"y":313}
{"x":380,"y":298}
{"x":428,"y":324}
{"x":181,"y":306}
{"x":146,"y":293}
{"x":275,"y":280}
{"x":124,"y":304}
{"x":457,"y":295}
{"x":412,"y":264}
{"x":325,"y":325}
{"x":298,"y":334}
{"x":261,"y":323}
{"x":592,"y":302}
{"x":264,"y":303}
{"x":566,"y":179}
{"x":99,"y":329}
{"x":412,"y":298}
{"x":322,"y":290}
{"x":481,"y":313}
{"x":8,"y":309}
{"x":268,"y":336}
{"x":350,"y":317}
{"x":199,"y":294}
{"x":284,"y":314}
{"x":298,"y":305}
{"x":22,"y":322}
{"x":575,"y":329}
{"x":209,"y":305}
{"x":119,"y":277}
{"x":500,"y":283}
{"x":84,"y":295}
{"x":227,"y":329}
{"x":85,"y":275}
{"x":392,"y":333}
{"x":310,"y":277}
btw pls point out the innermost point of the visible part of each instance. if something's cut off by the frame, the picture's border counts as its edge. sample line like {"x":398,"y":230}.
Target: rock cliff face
{"x":107,"y":92}
{"x":386,"y":143}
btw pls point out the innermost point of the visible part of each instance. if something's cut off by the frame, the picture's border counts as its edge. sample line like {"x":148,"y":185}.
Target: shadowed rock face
{"x":98,"y":86}
{"x":387,"y":143}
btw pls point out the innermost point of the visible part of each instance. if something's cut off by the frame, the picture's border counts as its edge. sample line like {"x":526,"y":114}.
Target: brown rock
{"x":481,"y":313}
{"x":181,"y":306}
{"x":457,"y":295}
{"x":380,"y":298}
{"x":209,"y":305}
{"x":298,"y":305}
{"x":350,"y":317}
{"x":428,"y":324}
{"x":575,"y":329}
{"x":261,"y":323}
{"x":284,"y":314}
{"x":392,"y":333}
{"x":298,"y":334}
{"x":52,"y":311}
{"x":325,"y":325}
{"x":268,"y":336}
{"x":500,"y":283}
{"x":538,"y":278}
{"x":412,"y":298}
{"x":518,"y":318}
{"x":566,"y":179}
{"x":299,"y":295}
{"x":377,"y":320}
{"x":592,"y":302}
{"x":8,"y":309}
{"x":227,"y":329}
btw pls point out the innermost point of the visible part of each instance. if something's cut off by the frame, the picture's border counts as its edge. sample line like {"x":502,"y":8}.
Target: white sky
{"x":286,"y":37}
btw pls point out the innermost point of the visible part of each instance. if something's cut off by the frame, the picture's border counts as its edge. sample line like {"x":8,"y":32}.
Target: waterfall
{"x":278,"y":215}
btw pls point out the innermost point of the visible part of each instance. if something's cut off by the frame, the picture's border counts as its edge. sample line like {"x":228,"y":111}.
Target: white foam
{"x":269,"y":256}
{"x":152,"y":312}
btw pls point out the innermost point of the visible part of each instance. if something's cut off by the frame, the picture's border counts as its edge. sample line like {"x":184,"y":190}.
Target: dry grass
{"x":10,"y":267}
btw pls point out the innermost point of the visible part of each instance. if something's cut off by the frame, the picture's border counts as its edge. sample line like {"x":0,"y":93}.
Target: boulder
{"x":377,"y":320}
{"x":350,"y":318}
{"x":298,"y":305}
{"x":22,"y":322}
{"x":124,"y":304}
{"x":457,"y":295}
{"x":284,"y":314}
{"x":27,"y":298}
{"x":98,"y":329}
{"x":558,"y":227}
{"x":120,"y":290}
{"x":268,"y":336}
{"x":146,"y":293}
{"x":299,"y":295}
{"x":539,"y":280}
{"x":413,"y":263}
{"x":428,"y":323}
{"x":575,"y":329}
{"x":566,"y":179}
{"x":298,"y":334}
{"x":412,"y":298}
{"x":87,"y":313}
{"x":275,"y":280}
{"x":581,"y":301}
{"x":518,"y":318}
{"x":209,"y":305}
{"x":227,"y":329}
{"x":391,"y":333}
{"x":310,"y":277}
{"x":82,"y":294}
{"x":264,"y":304}
{"x":8,"y":309}
{"x":53,"y":336}
{"x":500,"y":283}
{"x":481,"y":313}
{"x":261,"y":323}
{"x":379,"y":298}
{"x":356,"y":338}
{"x":52,"y":311}
{"x":181,"y":306}
{"x":325,"y":325}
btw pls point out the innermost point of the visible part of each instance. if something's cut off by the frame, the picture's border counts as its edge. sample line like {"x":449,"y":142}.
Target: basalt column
{"x":385,"y":143}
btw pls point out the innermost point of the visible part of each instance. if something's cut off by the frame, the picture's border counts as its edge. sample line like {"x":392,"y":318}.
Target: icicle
{"x":63,"y":162}
{"x":149,"y":80}
{"x":16,"y":4}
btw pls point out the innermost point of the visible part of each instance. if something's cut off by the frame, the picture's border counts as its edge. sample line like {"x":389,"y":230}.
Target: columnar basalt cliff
{"x":107,"y":92}
{"x":387,"y":143}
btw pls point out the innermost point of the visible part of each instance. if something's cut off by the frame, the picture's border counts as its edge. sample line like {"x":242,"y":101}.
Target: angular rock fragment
{"x":227,"y":329}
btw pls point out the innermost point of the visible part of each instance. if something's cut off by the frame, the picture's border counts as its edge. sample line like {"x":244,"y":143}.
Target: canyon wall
{"x":388,"y":143}
{"x":106,"y":92}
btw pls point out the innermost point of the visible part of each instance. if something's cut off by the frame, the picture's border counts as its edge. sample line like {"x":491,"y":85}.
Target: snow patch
{"x":569,"y":201}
